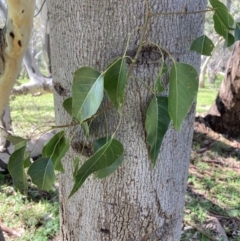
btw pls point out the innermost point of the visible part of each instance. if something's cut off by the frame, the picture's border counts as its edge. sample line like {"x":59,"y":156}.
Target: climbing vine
{"x":83,"y":106}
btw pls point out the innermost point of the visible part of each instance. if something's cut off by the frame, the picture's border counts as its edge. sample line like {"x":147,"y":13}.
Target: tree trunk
{"x":224,"y":114}
{"x":136,"y":202}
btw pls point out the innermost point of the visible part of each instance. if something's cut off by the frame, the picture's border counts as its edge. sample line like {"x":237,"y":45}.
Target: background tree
{"x":137,"y":202}
{"x":224,"y":114}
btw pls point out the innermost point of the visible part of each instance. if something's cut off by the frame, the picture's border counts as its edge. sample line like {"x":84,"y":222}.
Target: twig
{"x":200,"y":230}
{"x":9,"y":230}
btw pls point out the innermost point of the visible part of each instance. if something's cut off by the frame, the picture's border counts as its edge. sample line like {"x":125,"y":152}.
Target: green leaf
{"x":237,"y":32}
{"x":76,"y":166}
{"x":115,"y":82}
{"x":108,"y":170}
{"x":16,"y":169}
{"x":42,"y":173}
{"x":229,"y":40}
{"x":27,"y":161}
{"x":158,"y":83}
{"x":219,"y":26}
{"x":67,"y":105}
{"x":87,"y":93}
{"x":183,"y":89}
{"x":223,"y":14}
{"x":85,"y":127}
{"x":222,"y":30}
{"x":157,"y":122}
{"x":104,"y":157}
{"x":55,"y":149}
{"x":202,"y":45}
{"x":17,"y":141}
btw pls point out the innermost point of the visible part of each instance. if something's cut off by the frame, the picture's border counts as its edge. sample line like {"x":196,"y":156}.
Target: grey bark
{"x":137,"y":202}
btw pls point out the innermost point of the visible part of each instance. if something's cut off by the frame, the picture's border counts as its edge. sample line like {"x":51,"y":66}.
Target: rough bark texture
{"x":137,"y":202}
{"x":224,"y":114}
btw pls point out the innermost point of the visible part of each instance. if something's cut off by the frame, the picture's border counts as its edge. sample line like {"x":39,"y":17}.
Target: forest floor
{"x":212,"y":206}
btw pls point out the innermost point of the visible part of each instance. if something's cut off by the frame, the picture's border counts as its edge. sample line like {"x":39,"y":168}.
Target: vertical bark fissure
{"x":136,"y":202}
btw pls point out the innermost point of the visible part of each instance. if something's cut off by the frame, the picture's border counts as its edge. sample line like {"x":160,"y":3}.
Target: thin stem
{"x":119,"y":124}
{"x":176,"y":13}
{"x":142,"y":40}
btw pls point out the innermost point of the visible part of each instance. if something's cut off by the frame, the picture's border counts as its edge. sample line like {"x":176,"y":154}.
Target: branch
{"x":16,"y":36}
{"x":34,"y":87}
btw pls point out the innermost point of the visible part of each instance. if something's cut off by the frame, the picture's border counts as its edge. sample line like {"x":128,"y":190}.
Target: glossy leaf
{"x":67,"y":105}
{"x":17,"y":141}
{"x":157,"y":122}
{"x":108,"y":170}
{"x":158,"y":83}
{"x":87,"y":93}
{"x":102,"y":158}
{"x":16,"y":169}
{"x":42,"y":173}
{"x":55,"y":149}
{"x":183,"y":89}
{"x":237,"y":32}
{"x":202,"y":45}
{"x":115,"y":82}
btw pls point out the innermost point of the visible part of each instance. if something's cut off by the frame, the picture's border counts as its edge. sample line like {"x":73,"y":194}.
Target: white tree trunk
{"x":137,"y":202}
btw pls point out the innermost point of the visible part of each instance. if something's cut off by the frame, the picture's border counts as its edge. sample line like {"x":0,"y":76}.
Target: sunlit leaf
{"x":102,"y":158}
{"x":157,"y":122}
{"x":202,"y":45}
{"x":115,"y":81}
{"x":42,"y":173}
{"x":183,"y":89}
{"x":16,"y":168}
{"x":87,"y":93}
{"x":55,"y":149}
{"x":108,"y":170}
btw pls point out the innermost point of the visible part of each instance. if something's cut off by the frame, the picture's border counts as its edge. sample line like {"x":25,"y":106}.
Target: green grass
{"x":207,"y":95}
{"x":213,"y":186}
{"x":213,"y":189}
{"x":35,"y":215}
{"x":32,"y":115}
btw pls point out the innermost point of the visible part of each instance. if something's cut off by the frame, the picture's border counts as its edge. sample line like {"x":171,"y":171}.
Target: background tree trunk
{"x":137,"y":202}
{"x":224,"y":114}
